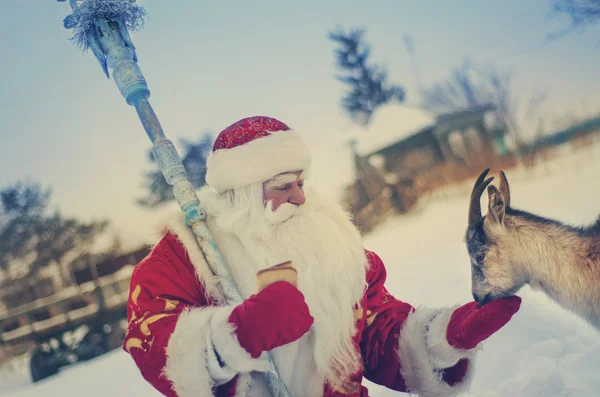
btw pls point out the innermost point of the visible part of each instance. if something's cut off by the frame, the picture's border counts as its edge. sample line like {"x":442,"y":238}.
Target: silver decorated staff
{"x":103,"y":26}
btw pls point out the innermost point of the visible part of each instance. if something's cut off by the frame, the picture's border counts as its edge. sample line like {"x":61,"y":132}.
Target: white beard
{"x":324,"y":246}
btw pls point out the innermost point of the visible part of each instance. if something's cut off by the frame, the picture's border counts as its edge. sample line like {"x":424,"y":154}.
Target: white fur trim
{"x":186,"y":354}
{"x":244,"y":381}
{"x":220,"y":375}
{"x":258,"y":160}
{"x":417,"y":361}
{"x":176,"y":224}
{"x":443,"y":355}
{"x":228,"y":347}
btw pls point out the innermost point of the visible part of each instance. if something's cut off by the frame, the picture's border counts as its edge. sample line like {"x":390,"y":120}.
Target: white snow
{"x":390,"y":123}
{"x":543,"y":351}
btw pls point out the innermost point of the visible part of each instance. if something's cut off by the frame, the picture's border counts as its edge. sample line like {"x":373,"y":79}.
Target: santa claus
{"x":314,"y":297}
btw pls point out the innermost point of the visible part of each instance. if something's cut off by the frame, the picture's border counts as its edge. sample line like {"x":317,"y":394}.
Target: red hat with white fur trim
{"x":252,"y":150}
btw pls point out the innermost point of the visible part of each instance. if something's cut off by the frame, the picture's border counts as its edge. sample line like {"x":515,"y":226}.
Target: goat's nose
{"x":482,"y":300}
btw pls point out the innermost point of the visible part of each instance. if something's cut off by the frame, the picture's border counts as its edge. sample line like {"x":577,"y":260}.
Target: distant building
{"x":406,"y":151}
{"x":21,"y":291}
{"x":405,"y":141}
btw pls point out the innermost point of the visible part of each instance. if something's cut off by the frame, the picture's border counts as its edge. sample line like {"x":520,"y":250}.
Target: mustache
{"x":283,"y":213}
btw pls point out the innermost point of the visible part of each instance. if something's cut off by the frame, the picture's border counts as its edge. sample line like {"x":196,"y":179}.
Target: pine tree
{"x":368,"y":86}
{"x":33,"y":238}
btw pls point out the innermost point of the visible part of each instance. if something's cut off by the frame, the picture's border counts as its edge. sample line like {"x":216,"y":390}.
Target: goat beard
{"x":326,"y":249}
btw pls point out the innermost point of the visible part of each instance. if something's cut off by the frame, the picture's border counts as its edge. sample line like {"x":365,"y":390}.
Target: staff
{"x":103,"y":27}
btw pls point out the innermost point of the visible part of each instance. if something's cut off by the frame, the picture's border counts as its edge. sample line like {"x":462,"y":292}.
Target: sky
{"x":208,"y":65}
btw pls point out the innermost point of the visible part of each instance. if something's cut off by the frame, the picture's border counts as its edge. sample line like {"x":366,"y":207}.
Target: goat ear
{"x":504,"y":189}
{"x":496,"y":205}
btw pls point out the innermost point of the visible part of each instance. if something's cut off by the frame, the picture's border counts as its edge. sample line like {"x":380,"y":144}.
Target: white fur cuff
{"x":228,"y":347}
{"x":422,"y":356}
{"x":443,"y":355}
{"x":257,"y":161}
{"x":186,"y":365}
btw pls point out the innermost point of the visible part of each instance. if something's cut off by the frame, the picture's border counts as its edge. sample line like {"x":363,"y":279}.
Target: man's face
{"x":285,"y":188}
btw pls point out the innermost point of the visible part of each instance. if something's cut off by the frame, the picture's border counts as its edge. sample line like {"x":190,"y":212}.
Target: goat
{"x":509,"y":248}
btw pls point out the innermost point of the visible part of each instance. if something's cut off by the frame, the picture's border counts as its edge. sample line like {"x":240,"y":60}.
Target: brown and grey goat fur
{"x":510,"y":248}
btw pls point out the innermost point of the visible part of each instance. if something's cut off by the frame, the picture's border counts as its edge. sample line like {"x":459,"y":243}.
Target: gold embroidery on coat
{"x":370,"y":317}
{"x":135,"y":294}
{"x":358,"y":314}
{"x":145,"y":324}
{"x":170,"y":304}
{"x":133,"y":342}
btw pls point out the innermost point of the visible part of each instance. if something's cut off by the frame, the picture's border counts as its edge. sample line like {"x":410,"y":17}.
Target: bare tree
{"x":470,"y":87}
{"x":581,"y":13}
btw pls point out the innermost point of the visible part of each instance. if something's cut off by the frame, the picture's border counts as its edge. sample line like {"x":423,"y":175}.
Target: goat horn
{"x":475,"y":205}
{"x":504,"y":189}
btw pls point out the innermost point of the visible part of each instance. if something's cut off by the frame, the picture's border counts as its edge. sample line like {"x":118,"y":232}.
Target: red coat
{"x":168,"y":311}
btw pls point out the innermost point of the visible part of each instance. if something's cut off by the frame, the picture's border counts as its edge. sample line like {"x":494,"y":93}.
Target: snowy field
{"x":544,"y":351}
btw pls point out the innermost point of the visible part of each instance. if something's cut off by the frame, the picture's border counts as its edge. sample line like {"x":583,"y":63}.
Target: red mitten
{"x":471,"y":323}
{"x":276,"y":316}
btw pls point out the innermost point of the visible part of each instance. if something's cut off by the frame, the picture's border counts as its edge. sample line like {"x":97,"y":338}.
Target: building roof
{"x":476,"y":111}
{"x":389,"y":124}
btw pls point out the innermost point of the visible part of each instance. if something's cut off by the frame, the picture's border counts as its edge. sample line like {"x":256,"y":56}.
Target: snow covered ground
{"x":544,"y":351}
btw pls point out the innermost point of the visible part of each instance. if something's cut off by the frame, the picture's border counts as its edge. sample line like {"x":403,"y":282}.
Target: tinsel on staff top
{"x":92,"y":17}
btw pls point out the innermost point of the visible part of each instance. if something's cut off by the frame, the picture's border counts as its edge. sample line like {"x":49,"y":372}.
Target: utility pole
{"x":410,"y":49}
